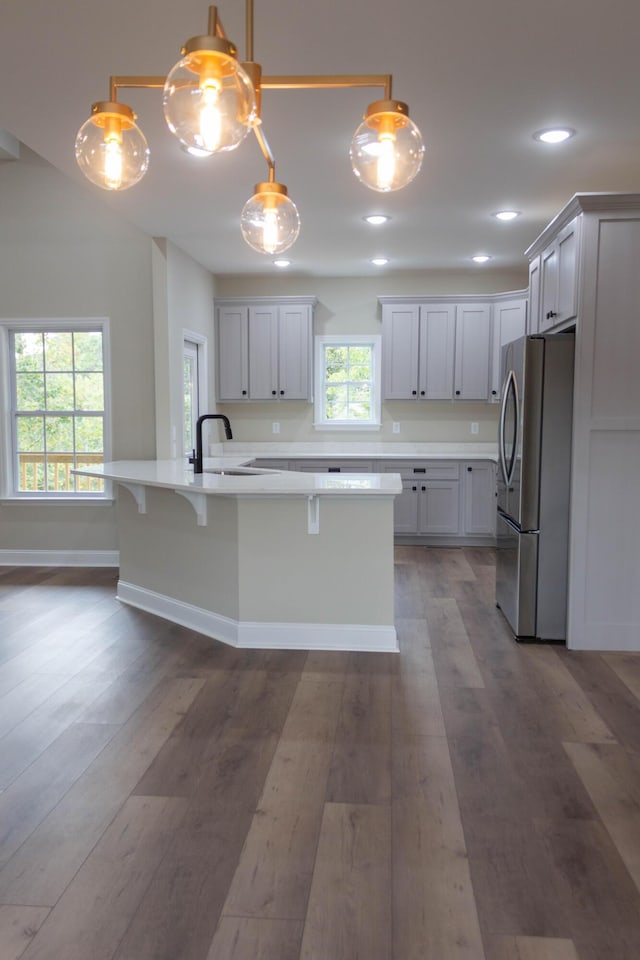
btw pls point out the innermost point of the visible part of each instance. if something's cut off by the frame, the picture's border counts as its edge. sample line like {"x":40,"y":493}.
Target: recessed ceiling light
{"x":554,"y":134}
{"x":507,"y":215}
{"x":379,"y":261}
{"x":375,"y":219}
{"x":282,"y":263}
{"x":481,"y":258}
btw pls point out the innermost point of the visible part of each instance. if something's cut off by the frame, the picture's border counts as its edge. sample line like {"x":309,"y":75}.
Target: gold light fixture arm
{"x":146,"y":83}
{"x":266,"y":151}
{"x":330,"y":81}
{"x":249,"y":30}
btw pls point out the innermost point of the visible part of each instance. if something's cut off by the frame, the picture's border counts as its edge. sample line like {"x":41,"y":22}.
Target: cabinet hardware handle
{"x":423,"y":489}
{"x":493,"y":393}
{"x":414,"y":393}
{"x":273,"y":392}
{"x":457,"y":393}
{"x":414,"y":489}
{"x":422,"y":392}
{"x":469,"y":469}
{"x":551,"y":314}
{"x":333,"y":469}
{"x":282,"y":393}
{"x":244,"y":393}
{"x":419,"y":469}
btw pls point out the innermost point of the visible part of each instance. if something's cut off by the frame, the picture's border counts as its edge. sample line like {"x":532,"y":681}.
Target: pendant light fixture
{"x":211,"y":101}
{"x":387,"y":148}
{"x":270,"y":222}
{"x":111,"y":150}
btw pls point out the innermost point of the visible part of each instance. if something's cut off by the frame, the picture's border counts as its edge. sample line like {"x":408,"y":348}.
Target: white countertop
{"x":176,"y":475}
{"x":369,"y":451}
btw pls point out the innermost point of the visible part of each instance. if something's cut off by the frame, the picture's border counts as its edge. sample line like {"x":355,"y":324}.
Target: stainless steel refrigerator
{"x":534,"y":475}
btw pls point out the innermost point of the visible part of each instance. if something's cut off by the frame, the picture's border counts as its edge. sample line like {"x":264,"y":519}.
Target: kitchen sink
{"x":236,"y":471}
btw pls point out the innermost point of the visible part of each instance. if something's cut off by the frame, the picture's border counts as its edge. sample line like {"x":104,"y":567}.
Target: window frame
{"x":320,"y":421}
{"x":9,"y":459}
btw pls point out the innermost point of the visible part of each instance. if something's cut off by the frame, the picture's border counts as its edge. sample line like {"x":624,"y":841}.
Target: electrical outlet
{"x":396,"y":427}
{"x":275,"y":427}
{"x":474,"y":427}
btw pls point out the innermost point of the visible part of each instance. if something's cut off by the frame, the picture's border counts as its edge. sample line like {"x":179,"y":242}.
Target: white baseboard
{"x":267,"y":636}
{"x":59,"y":558}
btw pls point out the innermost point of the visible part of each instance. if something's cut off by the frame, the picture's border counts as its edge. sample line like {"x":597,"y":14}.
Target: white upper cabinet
{"x":533,"y":312}
{"x":439,"y":349}
{"x":265,"y":349}
{"x":559,"y":278}
{"x":400,"y":343}
{"x":473,"y":350}
{"x":233,"y":352}
{"x":509,"y":323}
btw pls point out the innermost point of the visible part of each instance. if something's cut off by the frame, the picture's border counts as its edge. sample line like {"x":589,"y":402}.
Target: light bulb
{"x":270,"y":222}
{"x":209,"y":100}
{"x":270,"y":230}
{"x":387,"y":149}
{"x":386,"y":162}
{"x":210,"y":119}
{"x":111,"y":150}
{"x":113,"y":164}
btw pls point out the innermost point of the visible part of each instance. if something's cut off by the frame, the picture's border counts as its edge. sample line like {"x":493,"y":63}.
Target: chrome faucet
{"x":196,"y":457}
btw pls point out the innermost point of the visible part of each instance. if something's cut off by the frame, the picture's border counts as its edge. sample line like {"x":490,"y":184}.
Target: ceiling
{"x":479,"y":79}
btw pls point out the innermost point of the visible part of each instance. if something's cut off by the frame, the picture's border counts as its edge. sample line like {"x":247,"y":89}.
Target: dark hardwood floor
{"x":164,"y":797}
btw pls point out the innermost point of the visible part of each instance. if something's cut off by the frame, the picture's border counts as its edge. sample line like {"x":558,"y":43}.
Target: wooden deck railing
{"x":58,"y":473}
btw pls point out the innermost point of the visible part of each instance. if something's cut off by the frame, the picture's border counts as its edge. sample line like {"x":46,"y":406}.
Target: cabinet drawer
{"x":422,"y":469}
{"x":334,"y":466}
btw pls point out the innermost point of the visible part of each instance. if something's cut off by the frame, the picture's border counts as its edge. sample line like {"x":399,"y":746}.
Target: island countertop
{"x":256,"y":482}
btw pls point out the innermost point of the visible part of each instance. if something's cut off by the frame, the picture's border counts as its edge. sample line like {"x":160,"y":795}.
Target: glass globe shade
{"x":270,"y":221}
{"x":386,"y":149}
{"x":209,"y":101}
{"x":111,"y":150}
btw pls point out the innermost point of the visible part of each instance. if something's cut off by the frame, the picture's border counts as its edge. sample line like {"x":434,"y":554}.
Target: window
{"x":190,"y":395}
{"x":194,"y":386}
{"x":57,"y":406}
{"x":347,"y":382}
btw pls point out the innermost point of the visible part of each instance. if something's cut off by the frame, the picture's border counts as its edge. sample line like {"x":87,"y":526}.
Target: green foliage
{"x":348,"y":377}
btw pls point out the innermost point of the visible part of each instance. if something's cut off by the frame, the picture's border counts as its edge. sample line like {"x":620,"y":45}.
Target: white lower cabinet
{"x":479,"y":510}
{"x":442,"y":501}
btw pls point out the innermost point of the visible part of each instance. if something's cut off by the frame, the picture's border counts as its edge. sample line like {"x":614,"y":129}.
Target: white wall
{"x":64,"y":254}
{"x":350,"y":305}
{"x":183,"y":293}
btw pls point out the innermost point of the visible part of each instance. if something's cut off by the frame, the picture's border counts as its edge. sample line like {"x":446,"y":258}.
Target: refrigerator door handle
{"x":509,"y":383}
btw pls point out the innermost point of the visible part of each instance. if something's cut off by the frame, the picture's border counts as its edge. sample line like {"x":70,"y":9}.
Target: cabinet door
{"x":400,"y":331}
{"x":509,"y":323}
{"x":533,"y":313}
{"x":479,"y":499}
{"x":436,"y":358}
{"x":294,"y":352}
{"x":405,"y":508}
{"x":568,"y":272}
{"x":559,"y":278}
{"x":233,"y":358}
{"x":439,"y":507}
{"x":473,"y":339}
{"x":263,"y":353}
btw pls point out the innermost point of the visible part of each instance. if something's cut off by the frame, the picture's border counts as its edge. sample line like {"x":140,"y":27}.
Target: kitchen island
{"x":258,"y":558}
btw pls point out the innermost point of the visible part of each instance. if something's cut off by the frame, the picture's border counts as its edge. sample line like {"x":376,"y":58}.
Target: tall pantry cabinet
{"x":595,"y":240}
